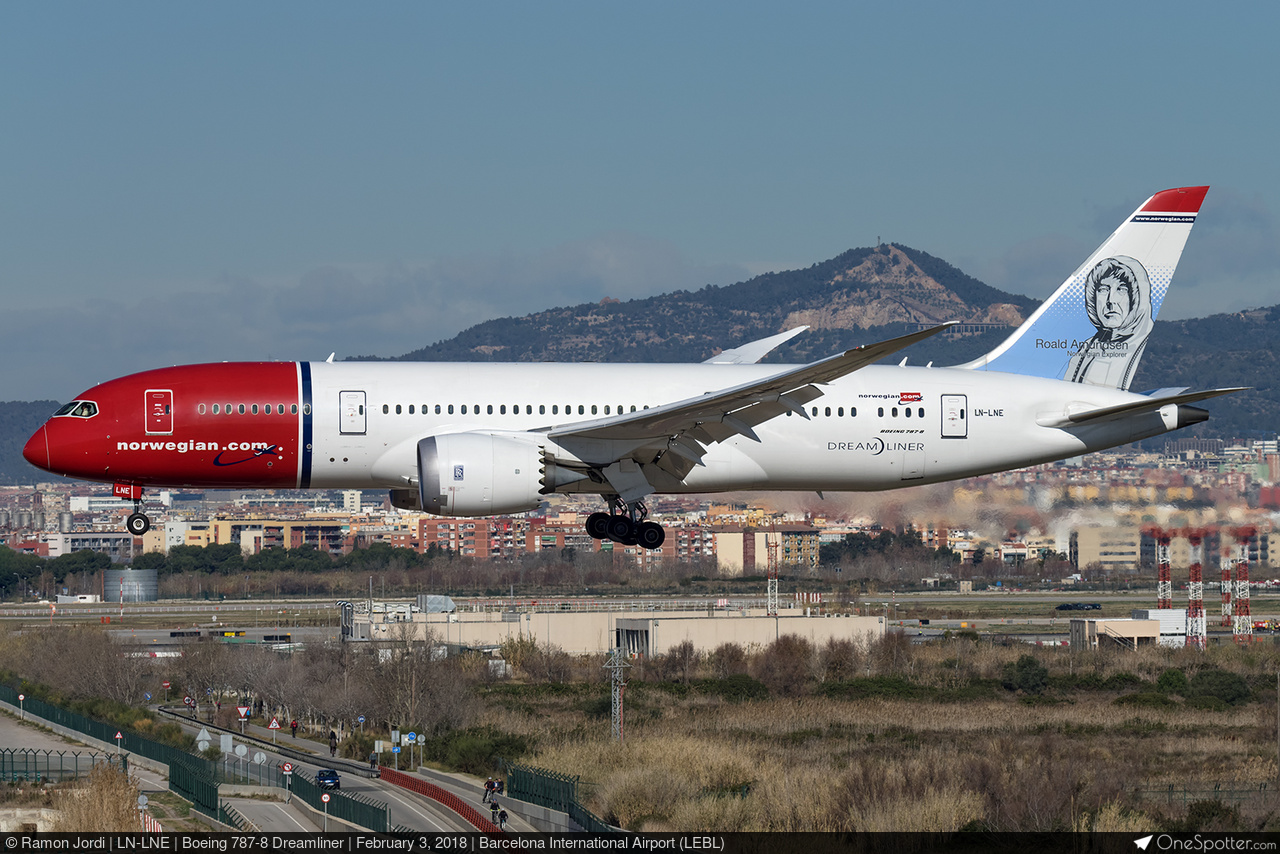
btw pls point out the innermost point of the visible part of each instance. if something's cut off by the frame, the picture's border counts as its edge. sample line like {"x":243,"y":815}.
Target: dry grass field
{"x":924,"y":738}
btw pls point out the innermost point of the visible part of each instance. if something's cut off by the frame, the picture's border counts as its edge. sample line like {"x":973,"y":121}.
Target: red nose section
{"x":36,"y":451}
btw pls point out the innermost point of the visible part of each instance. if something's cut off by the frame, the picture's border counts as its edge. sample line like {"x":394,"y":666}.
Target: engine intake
{"x":480,"y":474}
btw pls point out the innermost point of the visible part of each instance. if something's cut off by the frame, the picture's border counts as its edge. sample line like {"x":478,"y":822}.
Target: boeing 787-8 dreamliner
{"x":479,"y":439}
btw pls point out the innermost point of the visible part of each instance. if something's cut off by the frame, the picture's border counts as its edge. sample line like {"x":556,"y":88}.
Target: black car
{"x":327,"y":778}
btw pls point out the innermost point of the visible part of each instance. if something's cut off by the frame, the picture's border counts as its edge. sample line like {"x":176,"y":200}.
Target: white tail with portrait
{"x":1094,"y":328}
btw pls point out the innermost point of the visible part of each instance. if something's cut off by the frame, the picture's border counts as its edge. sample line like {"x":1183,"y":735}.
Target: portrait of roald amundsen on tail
{"x":1117,"y":297}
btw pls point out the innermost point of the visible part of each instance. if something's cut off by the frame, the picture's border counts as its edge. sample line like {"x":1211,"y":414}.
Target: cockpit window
{"x":78,"y":409}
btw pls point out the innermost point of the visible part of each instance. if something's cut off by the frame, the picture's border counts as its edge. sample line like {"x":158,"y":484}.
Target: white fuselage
{"x":882,"y":427}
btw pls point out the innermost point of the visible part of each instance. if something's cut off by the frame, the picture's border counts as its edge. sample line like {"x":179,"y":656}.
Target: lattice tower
{"x":616,"y":665}
{"x":1242,"y":616}
{"x":1164,"y":578}
{"x":1225,"y":564}
{"x":771,"y":596}
{"x":1197,"y":629}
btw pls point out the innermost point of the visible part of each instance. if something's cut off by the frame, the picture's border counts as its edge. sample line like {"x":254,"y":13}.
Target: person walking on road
{"x":373,"y":760}
{"x":293,"y":725}
{"x":333,"y":743}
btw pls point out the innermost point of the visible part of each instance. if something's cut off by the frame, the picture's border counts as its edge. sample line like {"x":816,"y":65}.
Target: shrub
{"x":1173,"y":681}
{"x":1027,"y":675}
{"x":1228,"y":687}
{"x":1121,"y":681}
{"x":1210,"y":704}
{"x":736,"y":688}
{"x":476,"y":750}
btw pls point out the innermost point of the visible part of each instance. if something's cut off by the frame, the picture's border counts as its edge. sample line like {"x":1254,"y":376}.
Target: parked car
{"x":327,"y":778}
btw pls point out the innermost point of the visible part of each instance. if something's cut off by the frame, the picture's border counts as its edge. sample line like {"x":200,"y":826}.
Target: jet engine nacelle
{"x":479,"y":474}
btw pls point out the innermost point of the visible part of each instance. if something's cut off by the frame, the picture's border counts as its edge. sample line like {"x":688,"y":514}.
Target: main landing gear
{"x":626,"y":525}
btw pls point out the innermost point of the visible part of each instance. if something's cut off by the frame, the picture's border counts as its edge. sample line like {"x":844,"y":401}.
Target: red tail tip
{"x":1180,"y":200}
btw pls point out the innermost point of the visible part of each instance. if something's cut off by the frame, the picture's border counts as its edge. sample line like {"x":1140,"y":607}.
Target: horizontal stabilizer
{"x":1124,"y":410}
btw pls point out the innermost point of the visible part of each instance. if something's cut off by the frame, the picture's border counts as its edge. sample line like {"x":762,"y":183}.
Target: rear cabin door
{"x":351,"y":413}
{"x":159,"y":411}
{"x":955,"y":423}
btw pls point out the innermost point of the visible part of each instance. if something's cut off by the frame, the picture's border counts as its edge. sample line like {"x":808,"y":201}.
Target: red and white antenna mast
{"x":1242,"y":618}
{"x":1164,"y":573}
{"x":1197,"y":630}
{"x":1225,"y":565}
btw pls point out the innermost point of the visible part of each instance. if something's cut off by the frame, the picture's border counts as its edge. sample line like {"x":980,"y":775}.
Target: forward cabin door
{"x":159,"y":412}
{"x":351,"y":413}
{"x":955,"y":421}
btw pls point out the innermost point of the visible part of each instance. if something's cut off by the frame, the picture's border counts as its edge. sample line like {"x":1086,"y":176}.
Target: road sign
{"x":244,"y":711}
{"x":287,"y":768}
{"x":325,"y":797}
{"x":411,"y":737}
{"x":21,"y":697}
{"x":275,"y":724}
{"x":360,"y":719}
{"x":165,"y":685}
{"x":187,"y":699}
{"x":208,"y":692}
{"x":147,"y":696}
{"x":119,"y":735}
{"x":395,"y":748}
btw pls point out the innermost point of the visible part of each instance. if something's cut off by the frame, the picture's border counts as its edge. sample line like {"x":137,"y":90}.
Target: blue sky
{"x":200,"y":182}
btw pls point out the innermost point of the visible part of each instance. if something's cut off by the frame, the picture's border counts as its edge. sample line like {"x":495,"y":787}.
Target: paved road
{"x":404,"y":808}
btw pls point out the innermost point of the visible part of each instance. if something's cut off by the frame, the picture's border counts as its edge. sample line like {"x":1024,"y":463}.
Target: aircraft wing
{"x":1104,"y":413}
{"x":674,"y":435}
{"x":752,"y":352}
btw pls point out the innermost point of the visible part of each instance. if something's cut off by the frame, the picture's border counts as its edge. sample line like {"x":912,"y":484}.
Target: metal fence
{"x":190,"y":783}
{"x":129,"y":741}
{"x":245,"y":772}
{"x":232,"y":817}
{"x":555,"y":791}
{"x":544,"y":788}
{"x":347,"y":806}
{"x":1183,"y":795}
{"x":54,"y":766}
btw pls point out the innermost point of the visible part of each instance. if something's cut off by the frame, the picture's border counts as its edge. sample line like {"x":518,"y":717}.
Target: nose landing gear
{"x":627,"y":525}
{"x":137,"y":523}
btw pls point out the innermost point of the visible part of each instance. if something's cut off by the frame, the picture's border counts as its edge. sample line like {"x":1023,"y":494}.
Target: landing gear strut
{"x":137,"y":523}
{"x":626,"y":525}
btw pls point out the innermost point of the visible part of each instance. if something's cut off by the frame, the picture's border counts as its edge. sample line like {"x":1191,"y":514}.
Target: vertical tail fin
{"x":1095,"y":326}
